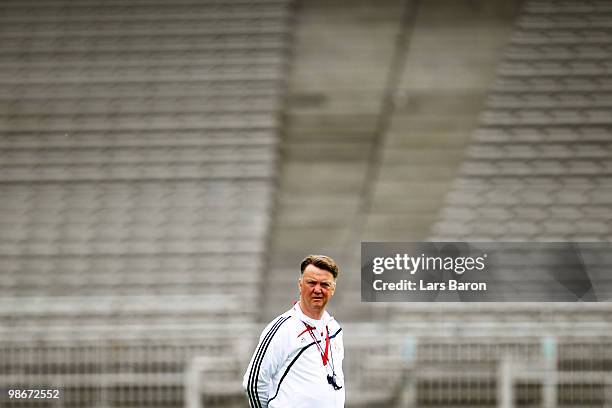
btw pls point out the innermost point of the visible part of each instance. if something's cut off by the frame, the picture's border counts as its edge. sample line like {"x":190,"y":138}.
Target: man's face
{"x":316,"y":288}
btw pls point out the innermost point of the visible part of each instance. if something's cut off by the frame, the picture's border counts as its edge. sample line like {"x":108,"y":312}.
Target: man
{"x":298,"y":361}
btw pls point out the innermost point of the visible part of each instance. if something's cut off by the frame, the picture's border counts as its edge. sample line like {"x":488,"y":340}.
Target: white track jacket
{"x":287,"y":371}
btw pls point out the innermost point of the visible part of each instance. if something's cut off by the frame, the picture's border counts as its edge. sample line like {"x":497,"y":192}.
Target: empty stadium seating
{"x":537,"y":169}
{"x":542,"y":151}
{"x":137,"y":172}
{"x":139,"y":145}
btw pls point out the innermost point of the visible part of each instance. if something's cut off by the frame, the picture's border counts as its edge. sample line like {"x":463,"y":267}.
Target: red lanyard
{"x":324,"y":355}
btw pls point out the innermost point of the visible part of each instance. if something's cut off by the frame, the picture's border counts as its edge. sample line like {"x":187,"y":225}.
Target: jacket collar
{"x":325,"y":319}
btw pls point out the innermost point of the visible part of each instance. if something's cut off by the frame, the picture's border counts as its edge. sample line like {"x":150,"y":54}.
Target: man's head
{"x":317,"y":284}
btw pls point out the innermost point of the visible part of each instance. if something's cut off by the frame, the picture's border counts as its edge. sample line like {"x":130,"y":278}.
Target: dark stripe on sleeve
{"x":252,"y":391}
{"x":252,"y":402}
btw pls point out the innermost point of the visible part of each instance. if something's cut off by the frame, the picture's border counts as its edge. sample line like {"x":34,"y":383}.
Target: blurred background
{"x":165,"y":166}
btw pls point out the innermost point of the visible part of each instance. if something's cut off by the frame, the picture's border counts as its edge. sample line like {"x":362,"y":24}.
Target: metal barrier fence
{"x":203,"y":368}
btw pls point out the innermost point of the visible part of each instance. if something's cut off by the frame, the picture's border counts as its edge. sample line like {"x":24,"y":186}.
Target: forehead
{"x":313,"y":272}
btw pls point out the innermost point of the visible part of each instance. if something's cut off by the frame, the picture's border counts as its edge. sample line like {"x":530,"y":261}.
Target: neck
{"x":313,"y":314}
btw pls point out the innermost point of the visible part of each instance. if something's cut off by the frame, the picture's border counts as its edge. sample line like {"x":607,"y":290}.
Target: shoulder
{"x":334,"y":325}
{"x":281,"y":325}
{"x":335,"y":329}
